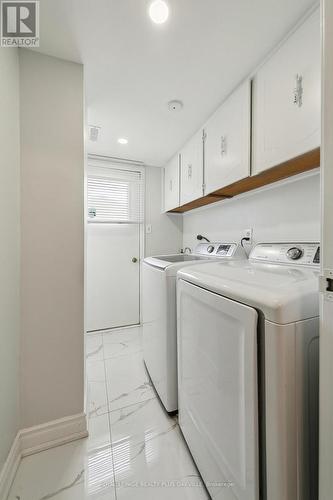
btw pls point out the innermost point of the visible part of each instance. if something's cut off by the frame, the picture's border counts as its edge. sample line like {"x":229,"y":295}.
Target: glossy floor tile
{"x":119,"y":343}
{"x":150,"y":457}
{"x":94,"y":347}
{"x":97,"y":401}
{"x":135,"y":449}
{"x":69,"y":472}
{"x":132,"y":382}
{"x":99,"y":432}
{"x":95,"y":371}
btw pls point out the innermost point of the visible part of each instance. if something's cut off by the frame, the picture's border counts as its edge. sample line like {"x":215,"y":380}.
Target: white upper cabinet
{"x":191,"y":179}
{"x":286,"y":104}
{"x":171,"y":184}
{"x":228,"y":138}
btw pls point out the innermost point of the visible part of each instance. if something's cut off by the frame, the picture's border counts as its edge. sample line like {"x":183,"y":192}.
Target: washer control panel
{"x":220,"y":250}
{"x":294,"y":253}
{"x":305,"y":254}
{"x":225,"y":250}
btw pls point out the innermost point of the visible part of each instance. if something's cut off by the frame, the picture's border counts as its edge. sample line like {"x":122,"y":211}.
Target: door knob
{"x":134,"y":259}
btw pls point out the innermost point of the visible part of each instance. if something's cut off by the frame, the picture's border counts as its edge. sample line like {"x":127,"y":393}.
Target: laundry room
{"x":167,"y":256}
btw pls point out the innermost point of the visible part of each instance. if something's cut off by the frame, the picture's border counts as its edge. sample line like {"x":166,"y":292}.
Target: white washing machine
{"x":159,"y":312}
{"x":248,"y":372}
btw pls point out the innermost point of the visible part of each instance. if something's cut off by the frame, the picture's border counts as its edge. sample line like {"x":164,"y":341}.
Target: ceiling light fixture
{"x":122,"y":140}
{"x":158,"y":11}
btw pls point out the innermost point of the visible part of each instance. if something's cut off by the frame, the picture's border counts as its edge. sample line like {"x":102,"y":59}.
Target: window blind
{"x":115,"y":197}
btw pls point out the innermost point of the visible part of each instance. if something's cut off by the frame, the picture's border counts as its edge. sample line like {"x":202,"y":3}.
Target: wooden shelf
{"x":200,"y":202}
{"x":302,"y":163}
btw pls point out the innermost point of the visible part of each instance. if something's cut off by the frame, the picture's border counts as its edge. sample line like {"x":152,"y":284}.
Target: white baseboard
{"x":40,"y":438}
{"x":54,"y":433}
{"x":9,"y":469}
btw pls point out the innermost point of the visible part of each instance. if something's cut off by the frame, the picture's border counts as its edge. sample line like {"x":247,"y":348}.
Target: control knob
{"x":294,"y":253}
{"x":210,"y":249}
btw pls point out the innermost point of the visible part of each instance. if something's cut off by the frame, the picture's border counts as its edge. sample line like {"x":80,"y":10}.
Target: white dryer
{"x":159,"y":312}
{"x":248,"y":372}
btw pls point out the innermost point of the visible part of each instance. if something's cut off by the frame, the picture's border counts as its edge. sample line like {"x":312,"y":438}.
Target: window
{"x":114,"y":195}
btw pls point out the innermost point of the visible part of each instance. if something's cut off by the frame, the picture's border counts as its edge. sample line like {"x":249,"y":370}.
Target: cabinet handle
{"x":223,"y":145}
{"x":189,"y":171}
{"x":298,"y":91}
{"x":170,"y":185}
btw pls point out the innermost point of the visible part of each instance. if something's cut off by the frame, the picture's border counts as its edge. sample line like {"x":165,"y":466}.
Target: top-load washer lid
{"x":204,"y":252}
{"x":181,"y":257}
{"x":284,"y":285}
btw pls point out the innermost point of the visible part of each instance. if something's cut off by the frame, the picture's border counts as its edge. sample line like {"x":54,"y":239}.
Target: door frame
{"x":326,"y":304}
{"x":94,"y":160}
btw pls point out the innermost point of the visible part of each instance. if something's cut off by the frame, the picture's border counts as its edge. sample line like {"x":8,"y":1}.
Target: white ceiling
{"x":133,"y":67}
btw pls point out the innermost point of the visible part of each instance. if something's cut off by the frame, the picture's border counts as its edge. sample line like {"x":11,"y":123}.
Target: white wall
{"x":9,"y":249}
{"x":286,"y":211}
{"x":52,"y":180}
{"x":326,"y":305}
{"x":166,"y":235}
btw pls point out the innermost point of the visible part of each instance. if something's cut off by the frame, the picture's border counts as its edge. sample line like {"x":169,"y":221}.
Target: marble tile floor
{"x":134,"y":451}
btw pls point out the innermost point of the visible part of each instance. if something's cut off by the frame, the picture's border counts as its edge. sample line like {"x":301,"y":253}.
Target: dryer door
{"x":218,"y":403}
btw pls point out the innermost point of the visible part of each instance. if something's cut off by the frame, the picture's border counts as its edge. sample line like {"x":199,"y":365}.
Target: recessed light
{"x":158,"y":11}
{"x":122,"y":140}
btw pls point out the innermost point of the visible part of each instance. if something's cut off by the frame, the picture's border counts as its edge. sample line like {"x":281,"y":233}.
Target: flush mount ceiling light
{"x":122,"y":140}
{"x":158,"y":11}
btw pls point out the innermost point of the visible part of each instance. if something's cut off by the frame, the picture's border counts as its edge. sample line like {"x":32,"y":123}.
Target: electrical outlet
{"x":248,"y":233}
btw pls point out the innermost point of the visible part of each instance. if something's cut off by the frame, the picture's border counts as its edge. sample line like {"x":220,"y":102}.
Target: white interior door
{"x":326,"y":300}
{"x":112,"y":278}
{"x":113,"y":248}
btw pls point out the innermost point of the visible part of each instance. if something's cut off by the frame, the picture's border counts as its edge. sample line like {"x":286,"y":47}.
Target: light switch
{"x":148,"y":228}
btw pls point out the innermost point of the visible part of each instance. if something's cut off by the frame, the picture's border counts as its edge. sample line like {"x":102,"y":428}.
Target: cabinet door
{"x":287,"y":105}
{"x":171,"y":184}
{"x":228,"y":136}
{"x":192,"y":169}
